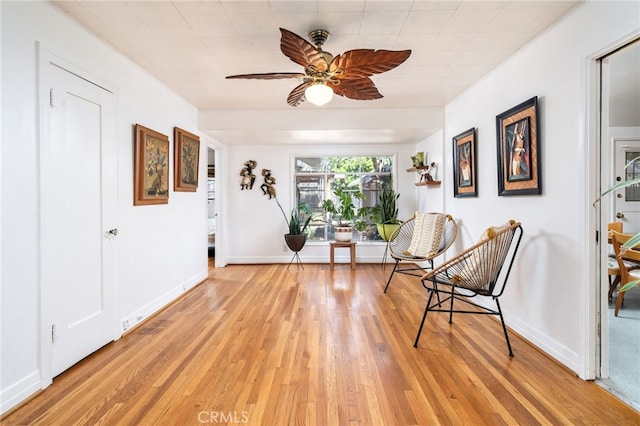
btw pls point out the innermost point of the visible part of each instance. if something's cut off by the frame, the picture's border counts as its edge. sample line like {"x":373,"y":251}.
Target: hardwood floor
{"x":263,"y":345}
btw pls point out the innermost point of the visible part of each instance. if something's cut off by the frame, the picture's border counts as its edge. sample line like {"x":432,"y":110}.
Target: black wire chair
{"x":409,"y":264}
{"x":474,"y":272}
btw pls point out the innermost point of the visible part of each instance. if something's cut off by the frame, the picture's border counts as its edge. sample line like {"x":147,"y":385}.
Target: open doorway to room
{"x":620,"y":150}
{"x":211,"y":205}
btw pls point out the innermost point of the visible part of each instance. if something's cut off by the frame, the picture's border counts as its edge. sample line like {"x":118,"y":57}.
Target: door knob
{"x":111,"y":233}
{"x":619,"y":215}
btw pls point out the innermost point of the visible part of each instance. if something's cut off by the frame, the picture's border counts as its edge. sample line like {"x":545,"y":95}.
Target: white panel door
{"x":79,"y":213}
{"x":627,"y":200}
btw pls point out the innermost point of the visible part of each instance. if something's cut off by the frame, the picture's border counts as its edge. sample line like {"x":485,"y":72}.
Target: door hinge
{"x":53,"y":102}
{"x":54,"y":333}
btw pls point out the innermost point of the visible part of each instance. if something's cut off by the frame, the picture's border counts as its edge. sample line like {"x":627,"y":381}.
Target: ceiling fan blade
{"x":301,"y":51}
{"x":268,"y":76}
{"x":296,"y":97}
{"x":359,"y":63}
{"x":361,"y":89}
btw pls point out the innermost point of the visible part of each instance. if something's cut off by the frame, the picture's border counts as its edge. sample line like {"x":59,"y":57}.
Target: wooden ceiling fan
{"x":345,"y":75}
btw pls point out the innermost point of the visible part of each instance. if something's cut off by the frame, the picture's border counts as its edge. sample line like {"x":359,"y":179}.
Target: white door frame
{"x":221,"y":201}
{"x":45,"y":60}
{"x":598,"y":158}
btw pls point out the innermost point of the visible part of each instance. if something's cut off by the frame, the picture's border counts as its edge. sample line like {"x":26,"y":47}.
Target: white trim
{"x":595,"y":341}
{"x":151,"y":308}
{"x":17,"y":392}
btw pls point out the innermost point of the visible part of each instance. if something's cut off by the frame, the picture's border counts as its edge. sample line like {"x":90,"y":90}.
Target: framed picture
{"x":519,"y":150}
{"x":464,"y":164}
{"x":186,"y":154}
{"x":151,"y":167}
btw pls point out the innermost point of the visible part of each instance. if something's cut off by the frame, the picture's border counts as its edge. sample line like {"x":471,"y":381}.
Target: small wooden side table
{"x":352,"y":251}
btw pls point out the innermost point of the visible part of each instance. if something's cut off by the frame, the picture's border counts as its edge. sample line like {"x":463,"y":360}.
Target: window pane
{"x":632,"y":193}
{"x":318,"y":177}
{"x":310,"y":165}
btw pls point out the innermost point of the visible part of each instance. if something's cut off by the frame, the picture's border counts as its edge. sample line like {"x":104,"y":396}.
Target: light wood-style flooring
{"x":260,"y":344}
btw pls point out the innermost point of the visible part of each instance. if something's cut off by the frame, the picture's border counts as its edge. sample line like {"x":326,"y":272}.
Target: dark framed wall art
{"x":464,"y":164}
{"x":151,"y":167}
{"x":186,"y":154}
{"x":519,"y":150}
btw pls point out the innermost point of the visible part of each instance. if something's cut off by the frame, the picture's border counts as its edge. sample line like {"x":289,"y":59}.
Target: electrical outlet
{"x":125,"y":324}
{"x":138,"y":316}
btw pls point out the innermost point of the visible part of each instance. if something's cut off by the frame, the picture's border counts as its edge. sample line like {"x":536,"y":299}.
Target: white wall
{"x":546,"y":300}
{"x":254,"y":224}
{"x":431,"y":198}
{"x":162,"y":249}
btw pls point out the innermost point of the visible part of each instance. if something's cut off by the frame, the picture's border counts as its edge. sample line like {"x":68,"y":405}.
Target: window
{"x":317,"y":177}
{"x":632,"y":193}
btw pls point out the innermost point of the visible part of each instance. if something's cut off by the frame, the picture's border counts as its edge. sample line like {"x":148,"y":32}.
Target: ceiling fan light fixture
{"x":318,"y":94}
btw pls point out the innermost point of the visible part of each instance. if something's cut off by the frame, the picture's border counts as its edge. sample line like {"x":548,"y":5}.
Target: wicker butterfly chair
{"x":400,"y":241}
{"x":474,"y":272}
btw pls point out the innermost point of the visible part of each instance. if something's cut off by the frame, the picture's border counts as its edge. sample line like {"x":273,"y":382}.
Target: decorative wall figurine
{"x":429,"y":173}
{"x":267,"y":186}
{"x":248,"y":178}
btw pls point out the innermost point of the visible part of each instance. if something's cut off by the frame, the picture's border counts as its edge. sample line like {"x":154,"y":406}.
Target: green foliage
{"x":351,"y":164}
{"x":343,"y":210}
{"x":296,"y":224}
{"x":386,"y":211}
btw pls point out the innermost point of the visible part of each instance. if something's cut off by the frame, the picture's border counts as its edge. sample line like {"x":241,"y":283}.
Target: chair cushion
{"x":427,"y":234}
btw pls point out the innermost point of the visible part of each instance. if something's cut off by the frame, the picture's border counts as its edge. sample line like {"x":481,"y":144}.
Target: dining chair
{"x":624,"y":255}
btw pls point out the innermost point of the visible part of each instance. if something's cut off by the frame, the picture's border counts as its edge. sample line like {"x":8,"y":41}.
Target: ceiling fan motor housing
{"x":319,"y":37}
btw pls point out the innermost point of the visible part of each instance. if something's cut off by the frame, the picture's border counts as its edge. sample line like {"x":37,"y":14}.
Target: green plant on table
{"x":343,"y":209}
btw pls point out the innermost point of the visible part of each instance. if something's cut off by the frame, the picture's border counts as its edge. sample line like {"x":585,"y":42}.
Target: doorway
{"x":211,"y":205}
{"x":619,"y":116}
{"x":79,"y":208}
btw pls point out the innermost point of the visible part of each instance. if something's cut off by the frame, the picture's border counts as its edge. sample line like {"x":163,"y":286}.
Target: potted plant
{"x":296,"y":238}
{"x":385,"y":213}
{"x":343,"y":211}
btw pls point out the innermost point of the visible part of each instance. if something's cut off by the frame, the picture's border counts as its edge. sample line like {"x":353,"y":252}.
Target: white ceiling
{"x":192,"y":45}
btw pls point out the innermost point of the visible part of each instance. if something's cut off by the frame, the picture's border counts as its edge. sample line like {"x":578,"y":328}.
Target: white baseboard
{"x":144,"y":312}
{"x":19,"y":391}
{"x":551,"y":347}
{"x":259,"y":260}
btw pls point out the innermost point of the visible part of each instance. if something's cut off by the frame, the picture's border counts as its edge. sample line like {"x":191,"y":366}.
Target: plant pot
{"x":342,"y":233}
{"x":386,"y":230}
{"x":295,"y":242}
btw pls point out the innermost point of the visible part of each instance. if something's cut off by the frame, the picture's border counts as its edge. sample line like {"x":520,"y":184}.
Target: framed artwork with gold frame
{"x":151,"y":167}
{"x":186,"y":154}
{"x":519,"y":150}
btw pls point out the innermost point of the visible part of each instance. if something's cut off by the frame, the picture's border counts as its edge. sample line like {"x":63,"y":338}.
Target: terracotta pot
{"x":295,"y":242}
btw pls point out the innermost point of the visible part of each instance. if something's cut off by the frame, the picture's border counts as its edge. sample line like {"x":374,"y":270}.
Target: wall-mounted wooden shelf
{"x":415,"y":169}
{"x":421,"y":170}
